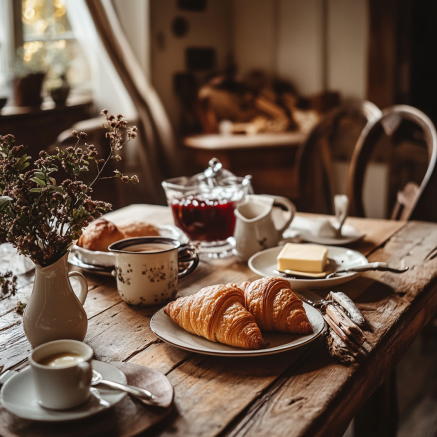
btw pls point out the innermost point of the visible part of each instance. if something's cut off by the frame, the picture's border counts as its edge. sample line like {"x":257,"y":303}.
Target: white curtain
{"x":108,"y":89}
{"x":160,"y":118}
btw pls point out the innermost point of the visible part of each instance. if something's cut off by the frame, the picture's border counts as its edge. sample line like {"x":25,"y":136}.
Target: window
{"x":41,"y":37}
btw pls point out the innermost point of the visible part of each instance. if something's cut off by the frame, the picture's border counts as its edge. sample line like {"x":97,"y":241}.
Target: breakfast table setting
{"x":223,"y":313}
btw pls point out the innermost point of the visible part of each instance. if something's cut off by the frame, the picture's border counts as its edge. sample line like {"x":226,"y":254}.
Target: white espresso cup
{"x":62,"y":383}
{"x":148,"y":269}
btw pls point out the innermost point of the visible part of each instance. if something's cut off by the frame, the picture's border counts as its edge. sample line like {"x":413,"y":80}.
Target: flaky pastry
{"x":218,"y":314}
{"x":275,"y":307}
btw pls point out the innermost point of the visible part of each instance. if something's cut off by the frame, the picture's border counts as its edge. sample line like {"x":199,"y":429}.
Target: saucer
{"x":18,"y":396}
{"x":265,"y":263}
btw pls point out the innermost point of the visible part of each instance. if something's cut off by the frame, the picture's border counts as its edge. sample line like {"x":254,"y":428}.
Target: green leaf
{"x":25,"y":165}
{"x":35,"y":190}
{"x":39,"y":181}
{"x":53,"y":181}
{"x":20,"y":162}
{"x":4,"y":202}
{"x":55,"y":188}
{"x":40,"y":175}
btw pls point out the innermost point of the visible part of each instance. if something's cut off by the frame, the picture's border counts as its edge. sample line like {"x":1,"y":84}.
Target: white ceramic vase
{"x":54,"y":312}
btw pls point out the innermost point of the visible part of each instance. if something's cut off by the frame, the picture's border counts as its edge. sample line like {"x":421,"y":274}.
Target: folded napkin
{"x":321,"y":227}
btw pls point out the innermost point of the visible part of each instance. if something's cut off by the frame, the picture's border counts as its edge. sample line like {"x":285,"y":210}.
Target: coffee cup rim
{"x":119,"y":246}
{"x":87,"y":357}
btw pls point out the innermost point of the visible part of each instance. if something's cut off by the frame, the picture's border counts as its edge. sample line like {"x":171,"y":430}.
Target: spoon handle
{"x":381,"y":266}
{"x":135,"y":391}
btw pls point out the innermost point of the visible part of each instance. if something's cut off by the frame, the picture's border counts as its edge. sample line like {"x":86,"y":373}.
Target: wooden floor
{"x":417,"y":390}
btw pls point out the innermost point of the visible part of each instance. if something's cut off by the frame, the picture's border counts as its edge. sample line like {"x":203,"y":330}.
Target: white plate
{"x":348,"y":235}
{"x":18,"y":396}
{"x":265,"y":263}
{"x":170,"y":332}
{"x":107,"y":259}
{"x":99,"y":270}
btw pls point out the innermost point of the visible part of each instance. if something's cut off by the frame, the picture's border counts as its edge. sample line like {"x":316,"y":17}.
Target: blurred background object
{"x":244,"y":80}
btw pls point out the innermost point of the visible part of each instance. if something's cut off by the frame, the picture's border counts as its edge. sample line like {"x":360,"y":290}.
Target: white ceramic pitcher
{"x":255,"y":229}
{"x":54,"y":312}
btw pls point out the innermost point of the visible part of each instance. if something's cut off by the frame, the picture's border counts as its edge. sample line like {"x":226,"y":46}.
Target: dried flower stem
{"x":41,"y":218}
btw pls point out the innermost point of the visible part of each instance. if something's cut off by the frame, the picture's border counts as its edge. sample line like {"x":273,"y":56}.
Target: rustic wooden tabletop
{"x":303,"y":392}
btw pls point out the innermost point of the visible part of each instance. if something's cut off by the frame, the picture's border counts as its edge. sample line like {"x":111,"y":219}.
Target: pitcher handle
{"x":83,"y":286}
{"x":289,"y":206}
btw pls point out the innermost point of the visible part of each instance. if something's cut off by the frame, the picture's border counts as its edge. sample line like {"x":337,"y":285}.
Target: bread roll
{"x":99,"y":235}
{"x":136,"y":228}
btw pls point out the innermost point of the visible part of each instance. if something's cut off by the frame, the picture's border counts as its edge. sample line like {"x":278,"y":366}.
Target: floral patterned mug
{"x":148,"y":268}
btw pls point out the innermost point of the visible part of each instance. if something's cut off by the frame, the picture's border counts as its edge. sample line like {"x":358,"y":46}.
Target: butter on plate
{"x":310,"y":258}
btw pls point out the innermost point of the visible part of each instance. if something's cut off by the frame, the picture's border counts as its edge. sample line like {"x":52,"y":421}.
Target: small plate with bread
{"x":91,"y":250}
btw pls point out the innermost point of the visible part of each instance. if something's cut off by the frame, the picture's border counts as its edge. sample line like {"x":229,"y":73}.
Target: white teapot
{"x":255,"y":228}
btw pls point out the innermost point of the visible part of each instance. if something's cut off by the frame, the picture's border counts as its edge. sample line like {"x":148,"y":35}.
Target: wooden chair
{"x":413,"y":202}
{"x":314,"y":171}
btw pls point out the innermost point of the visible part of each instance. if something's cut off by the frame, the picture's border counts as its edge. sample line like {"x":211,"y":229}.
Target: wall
{"x":347,"y":47}
{"x":211,"y":28}
{"x":284,"y":37}
{"x":134,"y":18}
{"x":288,"y":37}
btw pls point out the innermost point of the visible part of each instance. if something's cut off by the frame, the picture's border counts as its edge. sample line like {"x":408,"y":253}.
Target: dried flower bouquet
{"x":42,"y":217}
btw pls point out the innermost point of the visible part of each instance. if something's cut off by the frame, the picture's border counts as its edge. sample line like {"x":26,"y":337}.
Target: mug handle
{"x":279,"y":200}
{"x":86,"y":374}
{"x":83,"y":285}
{"x":188,"y":254}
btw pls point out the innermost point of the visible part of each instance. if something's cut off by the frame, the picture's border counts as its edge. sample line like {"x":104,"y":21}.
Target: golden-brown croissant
{"x":275,"y":307}
{"x":218,"y":314}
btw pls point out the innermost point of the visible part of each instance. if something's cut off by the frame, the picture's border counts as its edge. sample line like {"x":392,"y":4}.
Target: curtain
{"x":121,"y":83}
{"x":108,"y":88}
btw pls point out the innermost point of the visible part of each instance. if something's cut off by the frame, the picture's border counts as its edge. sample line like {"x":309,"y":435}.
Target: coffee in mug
{"x":64,"y":359}
{"x":62,"y":373}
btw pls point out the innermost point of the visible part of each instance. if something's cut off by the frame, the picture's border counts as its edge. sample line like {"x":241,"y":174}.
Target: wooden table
{"x":303,"y":392}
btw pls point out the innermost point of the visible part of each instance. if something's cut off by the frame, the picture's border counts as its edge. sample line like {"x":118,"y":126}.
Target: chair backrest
{"x":420,"y":203}
{"x":314,"y":172}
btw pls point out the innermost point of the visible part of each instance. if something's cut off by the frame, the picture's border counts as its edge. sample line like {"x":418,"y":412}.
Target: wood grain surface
{"x":303,"y":392}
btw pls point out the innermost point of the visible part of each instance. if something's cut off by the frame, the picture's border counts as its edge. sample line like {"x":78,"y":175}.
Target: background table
{"x":303,"y":392}
{"x":268,"y":157}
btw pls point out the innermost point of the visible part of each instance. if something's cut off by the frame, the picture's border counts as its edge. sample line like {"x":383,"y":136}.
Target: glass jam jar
{"x":203,"y":206}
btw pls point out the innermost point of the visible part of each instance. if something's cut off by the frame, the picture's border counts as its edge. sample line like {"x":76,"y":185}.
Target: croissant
{"x":218,"y":314}
{"x":275,"y":307}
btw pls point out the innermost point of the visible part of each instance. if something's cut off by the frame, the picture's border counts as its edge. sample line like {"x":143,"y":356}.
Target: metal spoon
{"x":380,"y":266}
{"x":141,"y":394}
{"x":341,"y":203}
{"x":98,"y":396}
{"x":367,"y":267}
